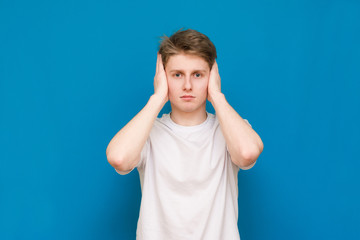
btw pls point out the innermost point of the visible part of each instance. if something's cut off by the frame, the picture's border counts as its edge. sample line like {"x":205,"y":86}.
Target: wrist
{"x":159,"y":99}
{"x":216,"y":96}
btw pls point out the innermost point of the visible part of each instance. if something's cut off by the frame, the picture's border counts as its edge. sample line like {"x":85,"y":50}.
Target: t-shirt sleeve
{"x":144,"y":154}
{"x":142,"y":161}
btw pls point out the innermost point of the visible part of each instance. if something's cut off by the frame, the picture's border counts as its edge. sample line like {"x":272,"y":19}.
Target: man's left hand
{"x":214,"y":86}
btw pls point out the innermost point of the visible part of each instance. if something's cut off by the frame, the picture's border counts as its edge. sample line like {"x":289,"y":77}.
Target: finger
{"x":157,"y":62}
{"x":161,"y":63}
{"x":216,"y":69}
{"x":213,"y":66}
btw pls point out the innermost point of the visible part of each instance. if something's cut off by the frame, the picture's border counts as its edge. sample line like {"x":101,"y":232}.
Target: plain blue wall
{"x":74,"y":72}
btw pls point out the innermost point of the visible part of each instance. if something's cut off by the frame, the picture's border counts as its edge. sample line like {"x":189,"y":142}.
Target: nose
{"x":187,"y":84}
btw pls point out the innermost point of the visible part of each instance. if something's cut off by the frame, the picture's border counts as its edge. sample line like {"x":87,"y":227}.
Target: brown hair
{"x":189,"y":42}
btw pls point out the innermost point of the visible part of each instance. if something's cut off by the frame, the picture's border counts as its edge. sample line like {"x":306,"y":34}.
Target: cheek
{"x":203,"y":85}
{"x":173,"y":88}
{"x":169,"y":82}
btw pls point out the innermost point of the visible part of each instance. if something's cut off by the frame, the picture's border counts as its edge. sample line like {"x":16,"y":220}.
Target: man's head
{"x":189,"y":42}
{"x":188,"y":57}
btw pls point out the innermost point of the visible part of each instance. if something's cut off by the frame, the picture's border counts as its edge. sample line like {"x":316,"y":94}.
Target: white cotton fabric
{"x":188,"y":182}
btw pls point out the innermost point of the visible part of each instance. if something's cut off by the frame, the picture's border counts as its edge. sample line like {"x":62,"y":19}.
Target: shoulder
{"x":217,"y":120}
{"x":162,"y":122}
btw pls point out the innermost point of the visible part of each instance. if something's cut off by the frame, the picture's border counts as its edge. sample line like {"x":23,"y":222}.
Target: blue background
{"x":73,"y":73}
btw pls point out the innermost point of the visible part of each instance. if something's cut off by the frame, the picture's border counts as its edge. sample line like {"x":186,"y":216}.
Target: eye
{"x":177,"y":74}
{"x":197,"y":75}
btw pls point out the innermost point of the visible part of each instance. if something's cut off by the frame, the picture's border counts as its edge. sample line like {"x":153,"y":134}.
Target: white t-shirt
{"x":188,"y":183}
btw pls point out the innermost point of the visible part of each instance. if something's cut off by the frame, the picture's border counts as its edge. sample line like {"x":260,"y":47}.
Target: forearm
{"x":123,"y":151}
{"x":244,"y":144}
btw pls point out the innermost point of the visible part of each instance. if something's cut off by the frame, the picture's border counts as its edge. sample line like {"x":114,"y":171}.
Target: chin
{"x":187,"y":107}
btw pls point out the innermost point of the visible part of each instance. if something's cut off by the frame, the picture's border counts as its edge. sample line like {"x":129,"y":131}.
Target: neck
{"x":188,"y":118}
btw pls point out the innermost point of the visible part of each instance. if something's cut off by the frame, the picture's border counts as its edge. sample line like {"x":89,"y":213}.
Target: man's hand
{"x":243,"y":143}
{"x":160,"y":80}
{"x":214,"y":86}
{"x":124,"y":149}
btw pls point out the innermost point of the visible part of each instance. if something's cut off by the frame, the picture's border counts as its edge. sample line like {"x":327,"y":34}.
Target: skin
{"x":187,"y":75}
{"x":182,"y":77}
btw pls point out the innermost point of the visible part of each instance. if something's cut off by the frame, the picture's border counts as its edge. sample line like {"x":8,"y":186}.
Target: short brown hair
{"x":189,"y":42}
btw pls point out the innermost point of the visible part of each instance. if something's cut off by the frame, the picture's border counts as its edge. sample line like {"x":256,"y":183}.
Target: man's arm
{"x":244,"y":144}
{"x":124,"y":149}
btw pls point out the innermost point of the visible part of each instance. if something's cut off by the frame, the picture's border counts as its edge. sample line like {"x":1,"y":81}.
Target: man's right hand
{"x":125,"y":148}
{"x":160,"y":80}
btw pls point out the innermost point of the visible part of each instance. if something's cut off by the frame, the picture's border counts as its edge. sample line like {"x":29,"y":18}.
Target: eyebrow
{"x":197,"y":70}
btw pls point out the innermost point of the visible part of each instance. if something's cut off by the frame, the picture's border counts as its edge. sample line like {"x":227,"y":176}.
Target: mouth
{"x":187,"y":97}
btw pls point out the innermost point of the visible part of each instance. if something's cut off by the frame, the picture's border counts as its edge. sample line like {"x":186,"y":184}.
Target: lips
{"x":187,"y":96}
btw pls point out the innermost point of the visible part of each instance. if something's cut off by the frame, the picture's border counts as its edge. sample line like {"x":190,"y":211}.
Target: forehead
{"x":186,"y":62}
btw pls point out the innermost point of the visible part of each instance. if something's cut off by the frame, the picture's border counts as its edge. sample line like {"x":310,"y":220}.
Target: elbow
{"x":247,"y":162}
{"x":120,"y":162}
{"x":115,"y":162}
{"x":249,"y":159}
{"x":247,"y":166}
{"x":115,"y":158}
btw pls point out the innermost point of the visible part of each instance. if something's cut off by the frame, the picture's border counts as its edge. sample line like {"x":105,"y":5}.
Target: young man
{"x":188,"y":160}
